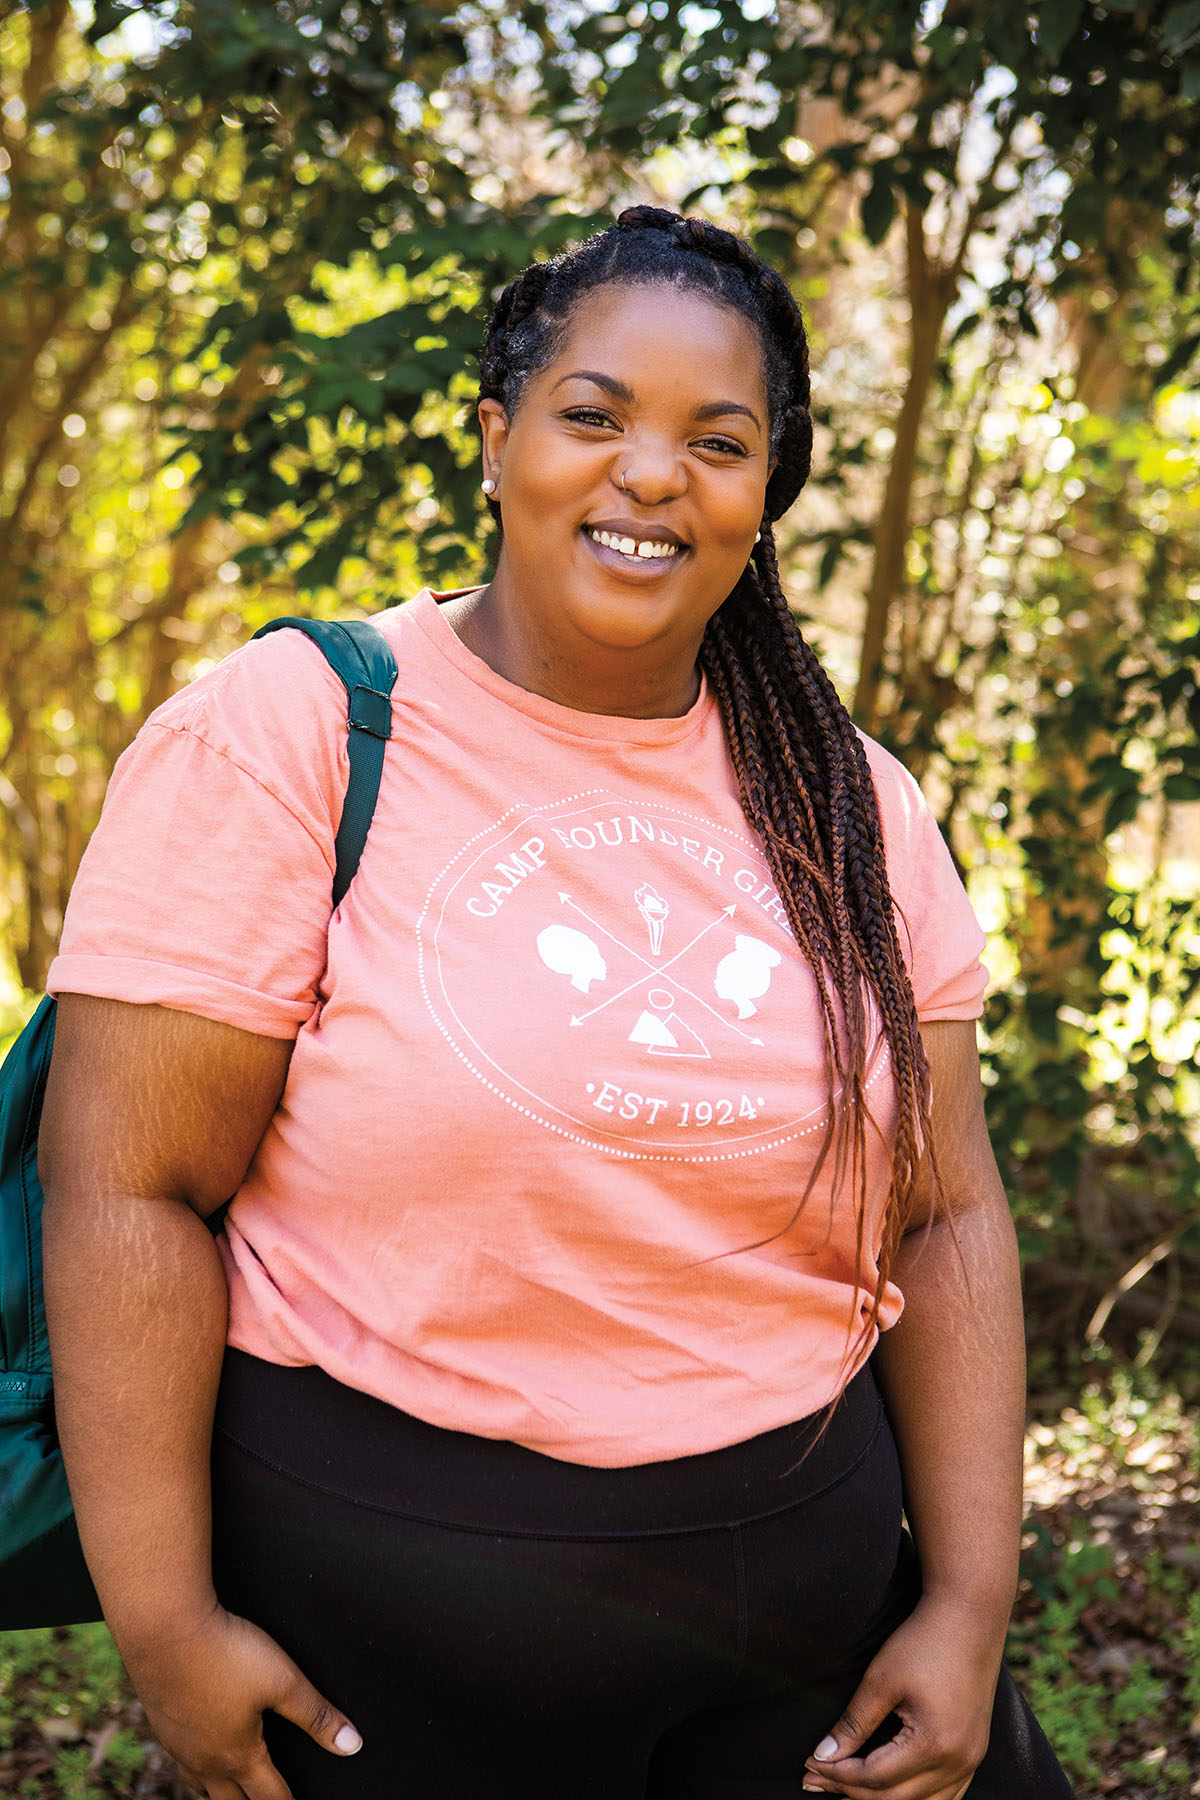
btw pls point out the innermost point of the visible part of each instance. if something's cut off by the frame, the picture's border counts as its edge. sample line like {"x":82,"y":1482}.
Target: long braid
{"x":866,"y":890}
{"x":834,"y":820}
{"x":803,"y":778}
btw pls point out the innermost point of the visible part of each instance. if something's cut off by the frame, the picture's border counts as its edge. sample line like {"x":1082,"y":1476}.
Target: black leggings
{"x":503,"y":1626}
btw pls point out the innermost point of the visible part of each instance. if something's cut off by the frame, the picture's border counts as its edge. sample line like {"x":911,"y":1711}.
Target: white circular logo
{"x":625,"y":976}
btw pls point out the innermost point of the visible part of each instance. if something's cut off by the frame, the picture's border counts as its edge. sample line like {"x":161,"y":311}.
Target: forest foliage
{"x":245,"y":256}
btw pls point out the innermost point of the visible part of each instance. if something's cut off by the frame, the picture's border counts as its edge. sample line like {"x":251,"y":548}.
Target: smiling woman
{"x":626,"y":1253}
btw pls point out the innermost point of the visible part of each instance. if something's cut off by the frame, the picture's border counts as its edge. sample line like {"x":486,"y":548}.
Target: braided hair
{"x":803,"y":777}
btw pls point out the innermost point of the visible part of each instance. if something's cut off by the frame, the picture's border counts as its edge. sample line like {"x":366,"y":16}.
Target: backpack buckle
{"x":370,"y":711}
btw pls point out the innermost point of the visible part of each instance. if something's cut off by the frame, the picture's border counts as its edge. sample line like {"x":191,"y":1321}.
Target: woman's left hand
{"x":938,"y":1672}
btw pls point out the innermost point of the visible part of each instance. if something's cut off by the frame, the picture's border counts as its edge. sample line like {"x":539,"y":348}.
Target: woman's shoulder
{"x":918,"y":857}
{"x":206,"y":886}
{"x":902,"y":805}
{"x":264,"y":700}
{"x":283,"y":662}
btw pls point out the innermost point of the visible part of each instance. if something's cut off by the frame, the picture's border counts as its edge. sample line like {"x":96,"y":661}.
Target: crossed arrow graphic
{"x":656,"y":969}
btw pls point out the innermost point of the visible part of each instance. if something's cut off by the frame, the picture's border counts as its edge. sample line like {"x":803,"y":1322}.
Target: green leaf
{"x":108,"y":16}
{"x":844,"y":157}
{"x":1121,"y":808}
{"x":942,"y":46}
{"x":1181,"y":27}
{"x":829,"y":561}
{"x":366,"y":397}
{"x":1006,"y":35}
{"x":1063,"y":1166}
{"x":879,"y":206}
{"x":1181,"y":787}
{"x":321,"y":569}
{"x":1058,"y":22}
{"x":206,"y":502}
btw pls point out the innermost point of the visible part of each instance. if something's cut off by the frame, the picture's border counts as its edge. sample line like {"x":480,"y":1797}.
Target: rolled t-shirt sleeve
{"x":940,"y":936}
{"x":207,"y":884}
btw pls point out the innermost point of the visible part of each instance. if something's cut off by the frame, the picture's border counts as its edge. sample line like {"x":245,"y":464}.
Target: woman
{"x":580,"y":1161}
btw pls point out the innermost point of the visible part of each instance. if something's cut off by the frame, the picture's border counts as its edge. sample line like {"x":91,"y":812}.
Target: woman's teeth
{"x":630,"y":546}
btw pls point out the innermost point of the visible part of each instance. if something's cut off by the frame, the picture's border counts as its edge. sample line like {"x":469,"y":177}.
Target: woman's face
{"x":631,"y":479}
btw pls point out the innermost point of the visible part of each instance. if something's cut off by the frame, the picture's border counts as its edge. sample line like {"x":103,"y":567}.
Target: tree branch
{"x":986,"y":195}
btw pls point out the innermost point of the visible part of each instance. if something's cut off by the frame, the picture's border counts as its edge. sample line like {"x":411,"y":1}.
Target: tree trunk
{"x":930,"y":289}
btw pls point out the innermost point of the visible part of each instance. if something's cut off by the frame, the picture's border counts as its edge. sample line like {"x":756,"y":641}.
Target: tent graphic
{"x":664,"y":1033}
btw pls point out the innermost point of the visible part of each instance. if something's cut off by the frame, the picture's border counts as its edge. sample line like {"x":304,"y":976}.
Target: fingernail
{"x":826,"y":1750}
{"x":347,"y":1741}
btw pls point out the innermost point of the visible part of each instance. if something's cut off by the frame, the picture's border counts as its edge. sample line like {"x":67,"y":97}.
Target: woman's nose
{"x":649,"y":470}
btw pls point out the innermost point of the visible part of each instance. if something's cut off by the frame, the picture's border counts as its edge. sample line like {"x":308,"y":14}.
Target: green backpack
{"x":43,"y":1577}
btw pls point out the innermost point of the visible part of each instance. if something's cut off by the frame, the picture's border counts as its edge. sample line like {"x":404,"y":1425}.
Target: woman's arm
{"x":953,"y":1376}
{"x":150,"y":1122}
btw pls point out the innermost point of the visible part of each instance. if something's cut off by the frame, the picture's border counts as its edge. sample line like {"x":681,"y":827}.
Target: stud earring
{"x":488,"y":485}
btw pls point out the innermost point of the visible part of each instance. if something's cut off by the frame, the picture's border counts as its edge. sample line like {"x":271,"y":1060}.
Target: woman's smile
{"x":634,"y":549}
{"x":630,"y":548}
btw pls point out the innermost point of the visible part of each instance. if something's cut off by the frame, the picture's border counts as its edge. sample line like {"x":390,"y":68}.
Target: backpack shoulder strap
{"x":361,"y":658}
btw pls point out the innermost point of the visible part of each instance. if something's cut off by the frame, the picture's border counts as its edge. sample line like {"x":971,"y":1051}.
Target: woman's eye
{"x":588,"y":415}
{"x":725,"y":446}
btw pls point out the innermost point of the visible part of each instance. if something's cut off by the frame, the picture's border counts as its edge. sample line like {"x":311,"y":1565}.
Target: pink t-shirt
{"x":557,"y":1082}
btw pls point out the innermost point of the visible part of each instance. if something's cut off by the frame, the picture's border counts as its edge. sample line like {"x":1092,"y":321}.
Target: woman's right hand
{"x":205,"y":1691}
{"x":151,"y":1118}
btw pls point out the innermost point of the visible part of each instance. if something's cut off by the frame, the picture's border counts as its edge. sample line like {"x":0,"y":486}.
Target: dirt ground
{"x":1113,"y":1560}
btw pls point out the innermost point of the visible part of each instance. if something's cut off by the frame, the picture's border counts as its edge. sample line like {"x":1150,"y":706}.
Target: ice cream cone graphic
{"x":654,"y":910}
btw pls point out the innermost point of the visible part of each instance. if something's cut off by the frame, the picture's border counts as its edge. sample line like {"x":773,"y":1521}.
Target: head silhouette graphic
{"x":745,"y":974}
{"x":571,"y":952}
